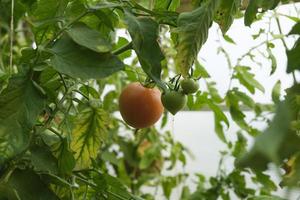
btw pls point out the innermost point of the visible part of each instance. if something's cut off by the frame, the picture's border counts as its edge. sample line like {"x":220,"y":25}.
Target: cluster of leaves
{"x":62,"y":68}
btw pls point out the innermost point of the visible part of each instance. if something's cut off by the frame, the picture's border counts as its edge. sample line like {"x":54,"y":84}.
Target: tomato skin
{"x":139,"y":106}
{"x":189,"y":86}
{"x":173,"y":101}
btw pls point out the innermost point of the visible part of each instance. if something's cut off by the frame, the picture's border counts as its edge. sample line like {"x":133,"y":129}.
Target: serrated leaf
{"x":192,"y":34}
{"x":144,"y":34}
{"x":293,"y":57}
{"x":79,"y":62}
{"x":213,"y":92}
{"x":225,"y":13}
{"x":88,"y":134}
{"x":20,"y":105}
{"x":276,"y":92}
{"x":246,"y":78}
{"x":89,"y":38}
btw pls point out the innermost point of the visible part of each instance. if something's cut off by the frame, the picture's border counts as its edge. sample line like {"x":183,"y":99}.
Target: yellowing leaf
{"x":89,"y":132}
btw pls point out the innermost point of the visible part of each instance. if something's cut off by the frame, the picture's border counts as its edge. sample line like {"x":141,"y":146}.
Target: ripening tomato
{"x":139,"y":106}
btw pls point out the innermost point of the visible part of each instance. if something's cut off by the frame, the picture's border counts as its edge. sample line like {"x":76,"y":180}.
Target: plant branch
{"x":11,"y":37}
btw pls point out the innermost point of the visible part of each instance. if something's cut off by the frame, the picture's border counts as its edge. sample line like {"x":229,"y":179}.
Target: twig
{"x":11,"y":36}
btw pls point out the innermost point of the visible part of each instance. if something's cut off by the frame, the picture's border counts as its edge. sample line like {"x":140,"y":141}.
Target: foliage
{"x":63,"y":66}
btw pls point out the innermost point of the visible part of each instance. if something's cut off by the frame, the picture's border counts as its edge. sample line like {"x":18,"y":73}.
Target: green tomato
{"x":173,"y":101}
{"x":189,"y":86}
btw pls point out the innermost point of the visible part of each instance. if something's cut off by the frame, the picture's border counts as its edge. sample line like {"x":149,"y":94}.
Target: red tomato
{"x":140,"y":107}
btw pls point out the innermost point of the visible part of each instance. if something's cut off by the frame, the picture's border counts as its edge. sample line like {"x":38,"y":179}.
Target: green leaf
{"x":265,"y":180}
{"x":200,"y":71}
{"x":89,"y":132}
{"x":28,"y":185}
{"x":265,"y":197}
{"x":192,"y":34}
{"x":254,"y":5}
{"x":43,"y":160}
{"x":163,"y":5}
{"x":228,"y":39}
{"x":89,"y":38}
{"x":248,"y":101}
{"x":295,"y":30}
{"x":219,"y":118}
{"x":20,"y":105}
{"x":66,"y":161}
{"x":276,"y":92}
{"x":150,"y":155}
{"x":213,"y":92}
{"x":225,"y":13}
{"x":246,"y":78}
{"x":276,"y":143}
{"x":293,"y":58}
{"x":144,"y":34}
{"x":79,"y":62}
{"x":112,"y":187}
{"x":273,"y":61}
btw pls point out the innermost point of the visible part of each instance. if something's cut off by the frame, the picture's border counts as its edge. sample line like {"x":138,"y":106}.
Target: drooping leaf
{"x":225,"y":13}
{"x":79,"y":62}
{"x":89,"y":38}
{"x":200,"y":71}
{"x":88,"y":134}
{"x":144,"y":34}
{"x":254,"y":5}
{"x":293,"y":58}
{"x":220,"y":118}
{"x":192,"y":34}
{"x":20,"y":104}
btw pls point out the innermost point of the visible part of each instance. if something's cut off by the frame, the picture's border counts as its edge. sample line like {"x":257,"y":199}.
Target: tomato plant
{"x":66,"y":71}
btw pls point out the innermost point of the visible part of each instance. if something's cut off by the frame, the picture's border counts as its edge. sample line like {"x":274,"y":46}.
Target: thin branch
{"x":11,"y":36}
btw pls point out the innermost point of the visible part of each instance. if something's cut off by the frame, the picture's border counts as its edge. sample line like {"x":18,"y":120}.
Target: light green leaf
{"x":225,"y":13}
{"x":89,"y":38}
{"x":246,"y":78}
{"x":265,"y":197}
{"x":20,"y":104}
{"x":144,"y":34}
{"x":192,"y":34}
{"x":276,"y":92}
{"x":89,"y":132}
{"x":79,"y":62}
{"x":228,"y":39}
{"x":200,"y":71}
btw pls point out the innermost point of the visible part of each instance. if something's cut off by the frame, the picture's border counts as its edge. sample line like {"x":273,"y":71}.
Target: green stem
{"x":283,"y":41}
{"x":123,"y":49}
